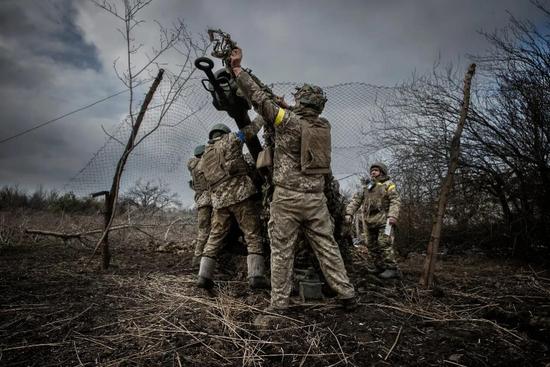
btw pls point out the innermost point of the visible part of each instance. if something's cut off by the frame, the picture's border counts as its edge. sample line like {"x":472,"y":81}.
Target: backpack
{"x":315,"y":146}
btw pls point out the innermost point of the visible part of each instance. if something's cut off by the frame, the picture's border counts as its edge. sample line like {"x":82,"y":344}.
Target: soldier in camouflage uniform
{"x":301,"y":161}
{"x":202,"y":201}
{"x":380,"y":203}
{"x":231,"y":190}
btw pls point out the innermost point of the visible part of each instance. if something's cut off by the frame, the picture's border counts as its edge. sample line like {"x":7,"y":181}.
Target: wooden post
{"x":426,"y":279}
{"x":111,"y":198}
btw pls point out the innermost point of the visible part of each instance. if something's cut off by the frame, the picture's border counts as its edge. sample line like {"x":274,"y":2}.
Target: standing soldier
{"x":202,"y":201}
{"x":231,"y":190}
{"x":380,"y":204}
{"x":300,"y":163}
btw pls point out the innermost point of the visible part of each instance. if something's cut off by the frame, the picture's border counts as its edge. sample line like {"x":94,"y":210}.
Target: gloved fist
{"x":392,"y":221}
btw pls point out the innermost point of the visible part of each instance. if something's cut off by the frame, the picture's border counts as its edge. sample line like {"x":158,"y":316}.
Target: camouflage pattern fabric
{"x":203,"y":203}
{"x":288,"y":133}
{"x":202,"y":196}
{"x":237,"y":188}
{"x":203,"y":200}
{"x":298,"y":204}
{"x":381,"y":251}
{"x":291,"y":213}
{"x":246,"y":214}
{"x":381,"y":202}
{"x":254,"y":127}
{"x":204,"y":216}
{"x":378,"y":203}
{"x":312,"y":96}
{"x":336,"y":203}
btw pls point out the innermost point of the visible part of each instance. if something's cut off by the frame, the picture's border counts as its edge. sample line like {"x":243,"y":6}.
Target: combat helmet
{"x":310,"y":95}
{"x":199,"y":150}
{"x":224,"y":129}
{"x":383,"y":168}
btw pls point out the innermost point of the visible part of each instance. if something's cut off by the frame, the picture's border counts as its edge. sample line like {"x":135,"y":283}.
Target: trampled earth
{"x":57,"y":309}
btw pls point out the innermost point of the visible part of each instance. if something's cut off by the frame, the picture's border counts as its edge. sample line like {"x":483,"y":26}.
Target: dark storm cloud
{"x":47,"y":29}
{"x":43,"y":57}
{"x":19,"y":74}
{"x":354,"y":40}
{"x":53,"y":56}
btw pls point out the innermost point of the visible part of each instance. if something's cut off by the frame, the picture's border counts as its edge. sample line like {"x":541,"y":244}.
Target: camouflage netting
{"x":163,"y":155}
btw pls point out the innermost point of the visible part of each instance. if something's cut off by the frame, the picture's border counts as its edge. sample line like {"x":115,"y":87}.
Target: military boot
{"x":195,"y":262}
{"x":390,"y":274}
{"x":206,"y":270}
{"x":256,"y":272}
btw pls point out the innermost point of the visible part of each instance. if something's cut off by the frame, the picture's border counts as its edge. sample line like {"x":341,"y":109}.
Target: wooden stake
{"x":426,"y":279}
{"x":112,"y":197}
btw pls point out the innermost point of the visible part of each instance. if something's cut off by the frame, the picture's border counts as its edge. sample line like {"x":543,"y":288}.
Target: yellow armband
{"x":280,"y":116}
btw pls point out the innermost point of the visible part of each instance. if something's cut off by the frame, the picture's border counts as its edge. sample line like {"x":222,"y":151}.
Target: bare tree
{"x":176,"y":40}
{"x":417,"y":129}
{"x":503,"y":176}
{"x":151,"y":197}
{"x":512,"y":134}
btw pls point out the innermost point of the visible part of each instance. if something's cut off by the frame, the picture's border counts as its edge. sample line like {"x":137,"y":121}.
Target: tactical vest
{"x":374,"y":198}
{"x":199,"y":181}
{"x":218,"y":166}
{"x":316,"y":146}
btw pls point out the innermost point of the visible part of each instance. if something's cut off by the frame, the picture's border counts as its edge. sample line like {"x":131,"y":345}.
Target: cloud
{"x":57,"y":55}
{"x":47,"y":70}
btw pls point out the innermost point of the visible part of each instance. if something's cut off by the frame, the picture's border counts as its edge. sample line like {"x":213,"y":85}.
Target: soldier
{"x":301,"y":161}
{"x":231,"y":190}
{"x":202,"y":201}
{"x":380,"y":203}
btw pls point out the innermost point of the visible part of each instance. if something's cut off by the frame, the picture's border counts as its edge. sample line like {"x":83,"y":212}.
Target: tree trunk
{"x":110,"y":204}
{"x":426,"y":279}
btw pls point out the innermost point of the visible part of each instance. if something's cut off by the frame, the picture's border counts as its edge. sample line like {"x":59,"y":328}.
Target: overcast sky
{"x":57,"y":55}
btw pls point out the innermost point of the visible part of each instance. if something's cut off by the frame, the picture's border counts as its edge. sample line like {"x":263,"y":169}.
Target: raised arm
{"x":261,"y":101}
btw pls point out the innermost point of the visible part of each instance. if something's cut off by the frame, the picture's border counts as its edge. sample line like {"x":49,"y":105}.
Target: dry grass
{"x":54,"y":310}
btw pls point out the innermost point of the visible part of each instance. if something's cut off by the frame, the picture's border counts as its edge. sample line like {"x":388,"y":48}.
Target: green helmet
{"x":311,"y":96}
{"x":224,"y":129}
{"x":381,"y":166}
{"x":199,"y":150}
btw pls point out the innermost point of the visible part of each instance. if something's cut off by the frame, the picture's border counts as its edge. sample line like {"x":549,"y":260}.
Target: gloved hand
{"x":392,"y":221}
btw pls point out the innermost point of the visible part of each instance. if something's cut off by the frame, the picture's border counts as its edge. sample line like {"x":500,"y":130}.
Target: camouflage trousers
{"x":246,"y":214}
{"x":380,"y":246}
{"x":204,"y":215}
{"x":290,"y":213}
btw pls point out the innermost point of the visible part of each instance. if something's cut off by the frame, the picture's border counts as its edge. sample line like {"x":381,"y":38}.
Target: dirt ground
{"x":56,"y":309}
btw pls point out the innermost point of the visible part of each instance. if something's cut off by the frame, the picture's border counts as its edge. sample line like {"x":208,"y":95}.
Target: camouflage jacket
{"x":288,"y":134}
{"x":202,"y":195}
{"x":234,"y":189}
{"x":378,"y":203}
